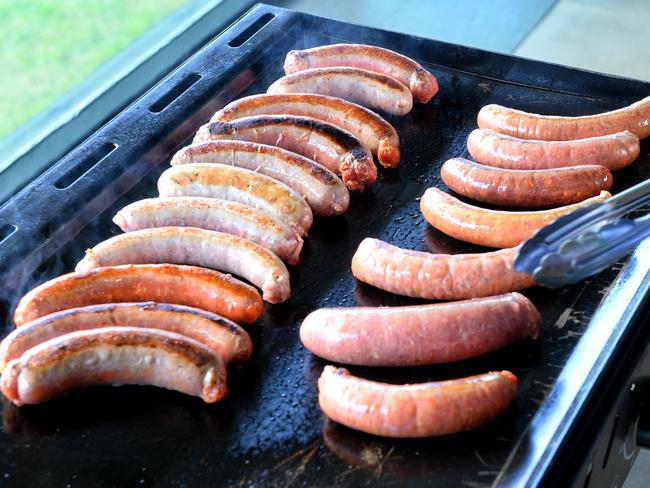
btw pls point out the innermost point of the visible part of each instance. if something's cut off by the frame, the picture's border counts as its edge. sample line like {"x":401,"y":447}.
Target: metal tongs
{"x":587,"y":240}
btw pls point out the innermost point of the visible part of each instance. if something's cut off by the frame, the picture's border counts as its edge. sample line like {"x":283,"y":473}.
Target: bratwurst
{"x":634,"y":118}
{"x":165,"y":283}
{"x":420,"y":334}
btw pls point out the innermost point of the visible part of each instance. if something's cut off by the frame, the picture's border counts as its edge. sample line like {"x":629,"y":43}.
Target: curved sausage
{"x":615,"y":151}
{"x":355,"y":85}
{"x":199,"y":247}
{"x":114,"y":356}
{"x":371,"y":129}
{"x":420,"y":334}
{"x":213,"y":214}
{"x":166,"y":283}
{"x":437,"y":276}
{"x":492,"y":228}
{"x":323,"y":190}
{"x":325,"y":143}
{"x":525,"y":188}
{"x":418,"y":410}
{"x":223,"y":337}
{"x":238,"y":185}
{"x":634,"y":118}
{"x":423,"y":85}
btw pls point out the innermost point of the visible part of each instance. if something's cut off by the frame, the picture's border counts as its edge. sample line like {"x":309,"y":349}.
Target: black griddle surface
{"x":269,"y":431}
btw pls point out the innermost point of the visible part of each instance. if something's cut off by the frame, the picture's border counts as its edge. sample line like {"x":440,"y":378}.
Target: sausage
{"x":423,"y":85}
{"x":222,"y":336}
{"x":323,"y":190}
{"x":615,"y":151}
{"x":634,"y":118}
{"x":199,"y":247}
{"x":418,"y":410}
{"x":437,"y":276}
{"x":372,"y":130}
{"x":421,"y":334}
{"x":238,"y":185}
{"x":525,"y":188}
{"x":492,"y":228}
{"x":213,"y":214}
{"x":367,"y":88}
{"x":166,"y":283}
{"x":114,"y":356}
{"x":325,"y":143}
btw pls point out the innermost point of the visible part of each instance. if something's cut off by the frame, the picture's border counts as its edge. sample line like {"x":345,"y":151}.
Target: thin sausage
{"x":634,"y":118}
{"x":423,"y":85}
{"x":615,"y":151}
{"x":417,"y":410}
{"x":238,"y":185}
{"x":222,"y":336}
{"x":492,"y":228}
{"x":166,"y":283}
{"x":367,"y":126}
{"x":420,"y":334}
{"x":367,"y":88}
{"x":114,"y":356}
{"x":525,"y":188}
{"x":199,"y":247}
{"x":437,"y":276}
{"x":325,"y":143}
{"x":213,"y":214}
{"x":323,"y":190}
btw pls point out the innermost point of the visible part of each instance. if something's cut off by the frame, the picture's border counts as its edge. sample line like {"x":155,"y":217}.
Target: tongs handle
{"x":587,"y":240}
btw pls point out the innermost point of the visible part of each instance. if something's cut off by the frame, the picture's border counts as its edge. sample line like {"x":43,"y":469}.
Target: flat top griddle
{"x":269,"y":430}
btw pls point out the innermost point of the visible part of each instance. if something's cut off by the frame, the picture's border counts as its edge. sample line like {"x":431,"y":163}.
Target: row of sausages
{"x":490,"y":314}
{"x":153,"y":305}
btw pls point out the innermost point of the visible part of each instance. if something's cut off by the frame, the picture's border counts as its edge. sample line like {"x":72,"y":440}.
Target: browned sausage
{"x":361,"y":86}
{"x":213,"y":214}
{"x":114,"y":356}
{"x":613,"y":151}
{"x":325,"y":143}
{"x":323,"y":190}
{"x":635,"y":118}
{"x":418,"y":410}
{"x":420,"y":334}
{"x":198,"y":247}
{"x":423,"y":85}
{"x":223,"y":337}
{"x":371,"y":129}
{"x":166,"y":283}
{"x":437,"y":276}
{"x":525,"y":188}
{"x":492,"y":228}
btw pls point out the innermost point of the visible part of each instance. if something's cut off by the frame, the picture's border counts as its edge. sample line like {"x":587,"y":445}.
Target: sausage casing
{"x":420,"y":334}
{"x":114,"y":356}
{"x":634,"y":118}
{"x":323,"y":190}
{"x":525,"y":188}
{"x":238,"y":185}
{"x":198,"y":247}
{"x":367,"y":126}
{"x":423,"y":85}
{"x":213,"y":214}
{"x":417,"y":410}
{"x":437,"y":276}
{"x":222,"y":336}
{"x":614,"y":151}
{"x":367,"y":88}
{"x":492,"y":228}
{"x":325,"y":143}
{"x":165,"y":283}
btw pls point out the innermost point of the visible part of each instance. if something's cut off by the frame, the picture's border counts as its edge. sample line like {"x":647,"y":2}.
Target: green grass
{"x":49,"y":46}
